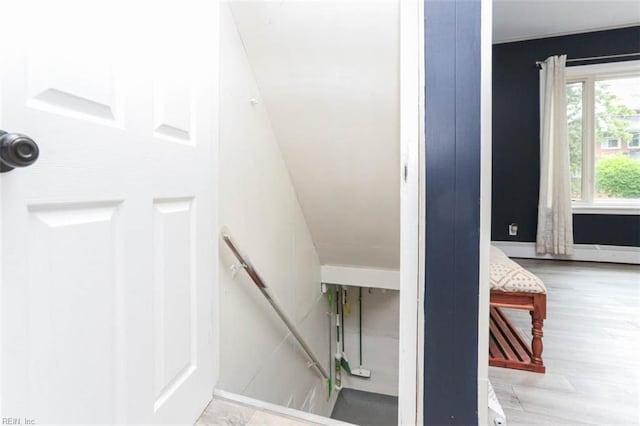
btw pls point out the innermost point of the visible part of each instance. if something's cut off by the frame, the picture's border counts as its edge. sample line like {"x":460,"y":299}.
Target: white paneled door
{"x":108,"y":247}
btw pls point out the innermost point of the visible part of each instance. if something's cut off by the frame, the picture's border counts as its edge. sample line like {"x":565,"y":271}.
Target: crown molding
{"x":566,"y":33}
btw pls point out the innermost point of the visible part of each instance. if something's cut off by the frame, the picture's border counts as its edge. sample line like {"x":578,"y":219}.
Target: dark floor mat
{"x":366,"y":408}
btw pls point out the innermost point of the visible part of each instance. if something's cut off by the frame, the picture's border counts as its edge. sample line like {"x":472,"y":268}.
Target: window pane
{"x":574,"y":119}
{"x":617,"y":156}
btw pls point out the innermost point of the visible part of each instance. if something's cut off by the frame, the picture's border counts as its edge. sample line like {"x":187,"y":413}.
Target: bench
{"x":514,"y":287}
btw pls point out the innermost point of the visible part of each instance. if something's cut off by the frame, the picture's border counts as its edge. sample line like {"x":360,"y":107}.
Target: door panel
{"x":83,"y":323}
{"x":173,"y":107}
{"x":175,"y":296}
{"x":108,"y":247}
{"x":89,"y":92}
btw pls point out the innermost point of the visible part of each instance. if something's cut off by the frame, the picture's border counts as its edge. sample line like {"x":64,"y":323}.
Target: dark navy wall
{"x":452,"y":78}
{"x":515,"y":149}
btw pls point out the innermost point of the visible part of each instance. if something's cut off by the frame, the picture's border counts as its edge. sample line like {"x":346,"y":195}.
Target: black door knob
{"x":17,"y":150}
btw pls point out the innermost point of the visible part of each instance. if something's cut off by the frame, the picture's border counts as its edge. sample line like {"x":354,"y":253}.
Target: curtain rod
{"x":594,"y":58}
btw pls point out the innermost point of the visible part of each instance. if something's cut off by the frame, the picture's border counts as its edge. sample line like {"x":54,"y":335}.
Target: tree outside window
{"x":615,"y":105}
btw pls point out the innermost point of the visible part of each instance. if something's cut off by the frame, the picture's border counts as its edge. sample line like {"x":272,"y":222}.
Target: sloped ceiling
{"x":525,"y":19}
{"x":328,"y":72}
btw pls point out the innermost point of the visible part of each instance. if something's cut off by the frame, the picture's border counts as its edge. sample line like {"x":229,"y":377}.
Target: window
{"x":574,"y":117}
{"x":603,"y":117}
{"x":610,"y":142}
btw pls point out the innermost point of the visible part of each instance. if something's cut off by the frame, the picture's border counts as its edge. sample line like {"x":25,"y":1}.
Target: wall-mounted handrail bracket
{"x":266,"y":292}
{"x":236,"y":267}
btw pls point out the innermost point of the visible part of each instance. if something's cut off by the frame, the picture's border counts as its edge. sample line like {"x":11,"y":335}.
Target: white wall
{"x":380,"y":339}
{"x":329,"y":75}
{"x":258,"y":204}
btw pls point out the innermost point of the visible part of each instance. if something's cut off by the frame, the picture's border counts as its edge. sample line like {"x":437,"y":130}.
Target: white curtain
{"x":555,"y":224}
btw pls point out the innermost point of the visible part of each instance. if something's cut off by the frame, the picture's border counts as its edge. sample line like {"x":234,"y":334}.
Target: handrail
{"x":246,"y":265}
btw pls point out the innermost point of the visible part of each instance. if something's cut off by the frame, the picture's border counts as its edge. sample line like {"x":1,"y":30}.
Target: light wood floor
{"x":591,"y":349}
{"x":230,"y":413}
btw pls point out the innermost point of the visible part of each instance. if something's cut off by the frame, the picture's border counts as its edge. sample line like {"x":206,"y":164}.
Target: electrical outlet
{"x":513,"y":229}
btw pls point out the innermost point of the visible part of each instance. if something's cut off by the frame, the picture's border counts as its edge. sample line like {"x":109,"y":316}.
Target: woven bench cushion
{"x":508,"y":276}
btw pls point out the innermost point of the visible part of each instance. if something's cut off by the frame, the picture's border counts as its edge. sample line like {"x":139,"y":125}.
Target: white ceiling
{"x":526,"y":19}
{"x":328,"y":72}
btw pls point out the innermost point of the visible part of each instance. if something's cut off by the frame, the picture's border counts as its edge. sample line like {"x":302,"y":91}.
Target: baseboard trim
{"x":582,"y":252}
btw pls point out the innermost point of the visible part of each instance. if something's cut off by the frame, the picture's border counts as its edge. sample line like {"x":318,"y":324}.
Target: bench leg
{"x":536,"y":341}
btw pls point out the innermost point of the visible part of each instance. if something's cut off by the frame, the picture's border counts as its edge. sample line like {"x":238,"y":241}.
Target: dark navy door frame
{"x":452,"y":166}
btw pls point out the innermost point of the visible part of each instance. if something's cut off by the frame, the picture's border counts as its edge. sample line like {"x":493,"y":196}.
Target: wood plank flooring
{"x":591,"y":349}
{"x":230,"y":413}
